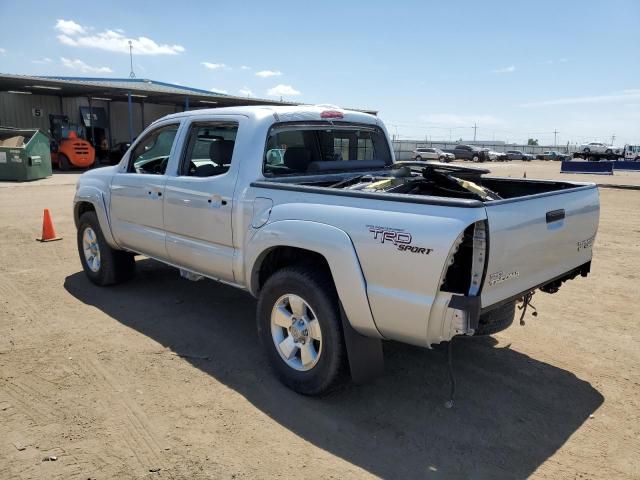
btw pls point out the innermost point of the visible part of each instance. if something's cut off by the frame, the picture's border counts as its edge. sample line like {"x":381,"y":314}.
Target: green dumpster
{"x":24,"y":154}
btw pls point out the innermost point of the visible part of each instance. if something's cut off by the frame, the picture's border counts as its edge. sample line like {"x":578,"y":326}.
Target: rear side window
{"x":209,"y":149}
{"x":307,"y":148}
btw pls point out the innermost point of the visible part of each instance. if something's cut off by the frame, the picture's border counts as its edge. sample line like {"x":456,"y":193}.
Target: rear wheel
{"x":101,"y":263}
{"x":300,"y":328}
{"x":418,"y":158}
{"x":496,"y":320}
{"x":63,"y":162}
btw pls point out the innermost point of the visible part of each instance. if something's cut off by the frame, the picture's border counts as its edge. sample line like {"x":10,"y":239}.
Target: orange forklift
{"x":68,"y":148}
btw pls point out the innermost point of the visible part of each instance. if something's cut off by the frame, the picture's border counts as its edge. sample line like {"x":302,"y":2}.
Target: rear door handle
{"x":555,"y":215}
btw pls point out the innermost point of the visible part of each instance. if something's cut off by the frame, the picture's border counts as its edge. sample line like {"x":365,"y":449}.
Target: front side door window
{"x":151,"y":154}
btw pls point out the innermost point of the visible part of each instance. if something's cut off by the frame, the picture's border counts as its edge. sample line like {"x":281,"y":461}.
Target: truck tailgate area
{"x":535,"y":239}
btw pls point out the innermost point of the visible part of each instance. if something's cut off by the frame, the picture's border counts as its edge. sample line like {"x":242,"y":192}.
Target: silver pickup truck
{"x":305,"y":208}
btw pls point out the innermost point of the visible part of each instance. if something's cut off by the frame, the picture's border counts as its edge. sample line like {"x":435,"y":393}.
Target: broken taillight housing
{"x":465,"y":265}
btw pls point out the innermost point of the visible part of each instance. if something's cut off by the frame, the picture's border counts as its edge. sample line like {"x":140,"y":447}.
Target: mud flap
{"x":366,"y":360}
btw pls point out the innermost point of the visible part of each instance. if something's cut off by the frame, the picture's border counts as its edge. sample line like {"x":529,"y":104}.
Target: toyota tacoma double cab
{"x":305,"y":208}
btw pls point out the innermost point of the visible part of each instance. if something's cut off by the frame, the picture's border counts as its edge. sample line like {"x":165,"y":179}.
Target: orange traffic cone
{"x":48,"y":232}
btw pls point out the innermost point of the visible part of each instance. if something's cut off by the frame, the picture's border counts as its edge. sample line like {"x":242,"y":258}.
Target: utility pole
{"x":555,"y":138}
{"x":475,"y":127}
{"x":613,"y":138}
{"x":131,"y":74}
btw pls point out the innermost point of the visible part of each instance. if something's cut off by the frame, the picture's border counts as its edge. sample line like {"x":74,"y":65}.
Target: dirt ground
{"x":164,"y":378}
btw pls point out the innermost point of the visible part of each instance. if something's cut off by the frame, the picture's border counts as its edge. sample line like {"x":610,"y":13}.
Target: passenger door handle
{"x":216,"y":201}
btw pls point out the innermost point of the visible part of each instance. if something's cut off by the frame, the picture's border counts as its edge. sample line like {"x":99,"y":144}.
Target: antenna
{"x":131,"y":74}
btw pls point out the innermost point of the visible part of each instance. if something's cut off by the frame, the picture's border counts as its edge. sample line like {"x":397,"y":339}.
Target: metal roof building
{"x":120,"y":107}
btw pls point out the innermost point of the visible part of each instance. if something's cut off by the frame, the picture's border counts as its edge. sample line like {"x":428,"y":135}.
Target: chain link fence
{"x":404,"y":148}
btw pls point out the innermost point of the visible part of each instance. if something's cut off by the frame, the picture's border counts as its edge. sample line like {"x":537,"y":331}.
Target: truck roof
{"x":284,"y":113}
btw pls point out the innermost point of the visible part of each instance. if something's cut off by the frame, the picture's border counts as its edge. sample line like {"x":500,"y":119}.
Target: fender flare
{"x":95,"y":197}
{"x":335,"y":246}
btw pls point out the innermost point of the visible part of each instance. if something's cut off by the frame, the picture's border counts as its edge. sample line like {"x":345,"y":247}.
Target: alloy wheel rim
{"x":91,"y":249}
{"x":296,"y":333}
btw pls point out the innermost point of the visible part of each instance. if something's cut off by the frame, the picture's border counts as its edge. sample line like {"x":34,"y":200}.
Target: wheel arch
{"x":286,"y":242}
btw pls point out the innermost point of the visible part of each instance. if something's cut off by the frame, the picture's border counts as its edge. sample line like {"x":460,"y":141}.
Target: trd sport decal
{"x":397,"y":237}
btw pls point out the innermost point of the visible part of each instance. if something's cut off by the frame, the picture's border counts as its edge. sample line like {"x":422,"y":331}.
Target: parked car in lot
{"x":341,"y":254}
{"x":494,"y":156}
{"x":470,"y":152}
{"x":429,"y":153}
{"x":553,"y":155}
{"x":518,"y":155}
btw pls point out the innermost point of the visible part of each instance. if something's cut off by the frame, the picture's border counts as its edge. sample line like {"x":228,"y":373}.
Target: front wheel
{"x":299,"y":326}
{"x":475,"y":158}
{"x":101,"y":263}
{"x":418,"y":158}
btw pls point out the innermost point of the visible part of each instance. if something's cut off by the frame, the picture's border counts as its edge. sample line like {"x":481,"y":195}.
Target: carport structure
{"x":121,"y":107}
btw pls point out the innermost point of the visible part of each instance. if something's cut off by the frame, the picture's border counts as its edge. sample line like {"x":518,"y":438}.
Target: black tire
{"x":496,"y":320}
{"x":63,"y":162}
{"x":475,"y":158}
{"x":418,"y":158}
{"x":441,"y":159}
{"x":317,"y":290}
{"x":115,"y":267}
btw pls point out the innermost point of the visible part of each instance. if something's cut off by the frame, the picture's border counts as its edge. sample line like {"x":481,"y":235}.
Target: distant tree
{"x":532,"y":141}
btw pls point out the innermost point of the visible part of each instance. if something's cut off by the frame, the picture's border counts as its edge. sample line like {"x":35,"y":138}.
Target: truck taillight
{"x":478,"y":259}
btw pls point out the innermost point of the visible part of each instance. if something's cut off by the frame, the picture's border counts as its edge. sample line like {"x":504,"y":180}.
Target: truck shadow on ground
{"x":512,"y":412}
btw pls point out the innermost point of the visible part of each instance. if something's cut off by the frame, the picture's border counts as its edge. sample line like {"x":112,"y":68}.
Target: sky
{"x":432,"y":70}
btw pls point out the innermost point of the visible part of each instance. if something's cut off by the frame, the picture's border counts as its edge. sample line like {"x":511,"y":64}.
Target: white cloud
{"x":69,"y":27}
{"x":42,"y":61}
{"x":219,"y":90}
{"x":75,"y":35}
{"x":283,"y":91}
{"x":213,"y":66}
{"x":80,"y":66}
{"x":509,"y":69}
{"x":2,"y":51}
{"x":623,"y":96}
{"x":245,"y":92}
{"x":245,"y":67}
{"x":268,"y":73}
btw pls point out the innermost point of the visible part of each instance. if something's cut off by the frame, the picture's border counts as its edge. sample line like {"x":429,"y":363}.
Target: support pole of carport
{"x":109,"y":123}
{"x":186,"y":103}
{"x":142,"y":115}
{"x":93,"y":138}
{"x":130,"y":107}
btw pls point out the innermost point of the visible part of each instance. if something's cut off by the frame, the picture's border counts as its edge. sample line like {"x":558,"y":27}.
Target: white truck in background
{"x":305,"y":208}
{"x":596,"y":151}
